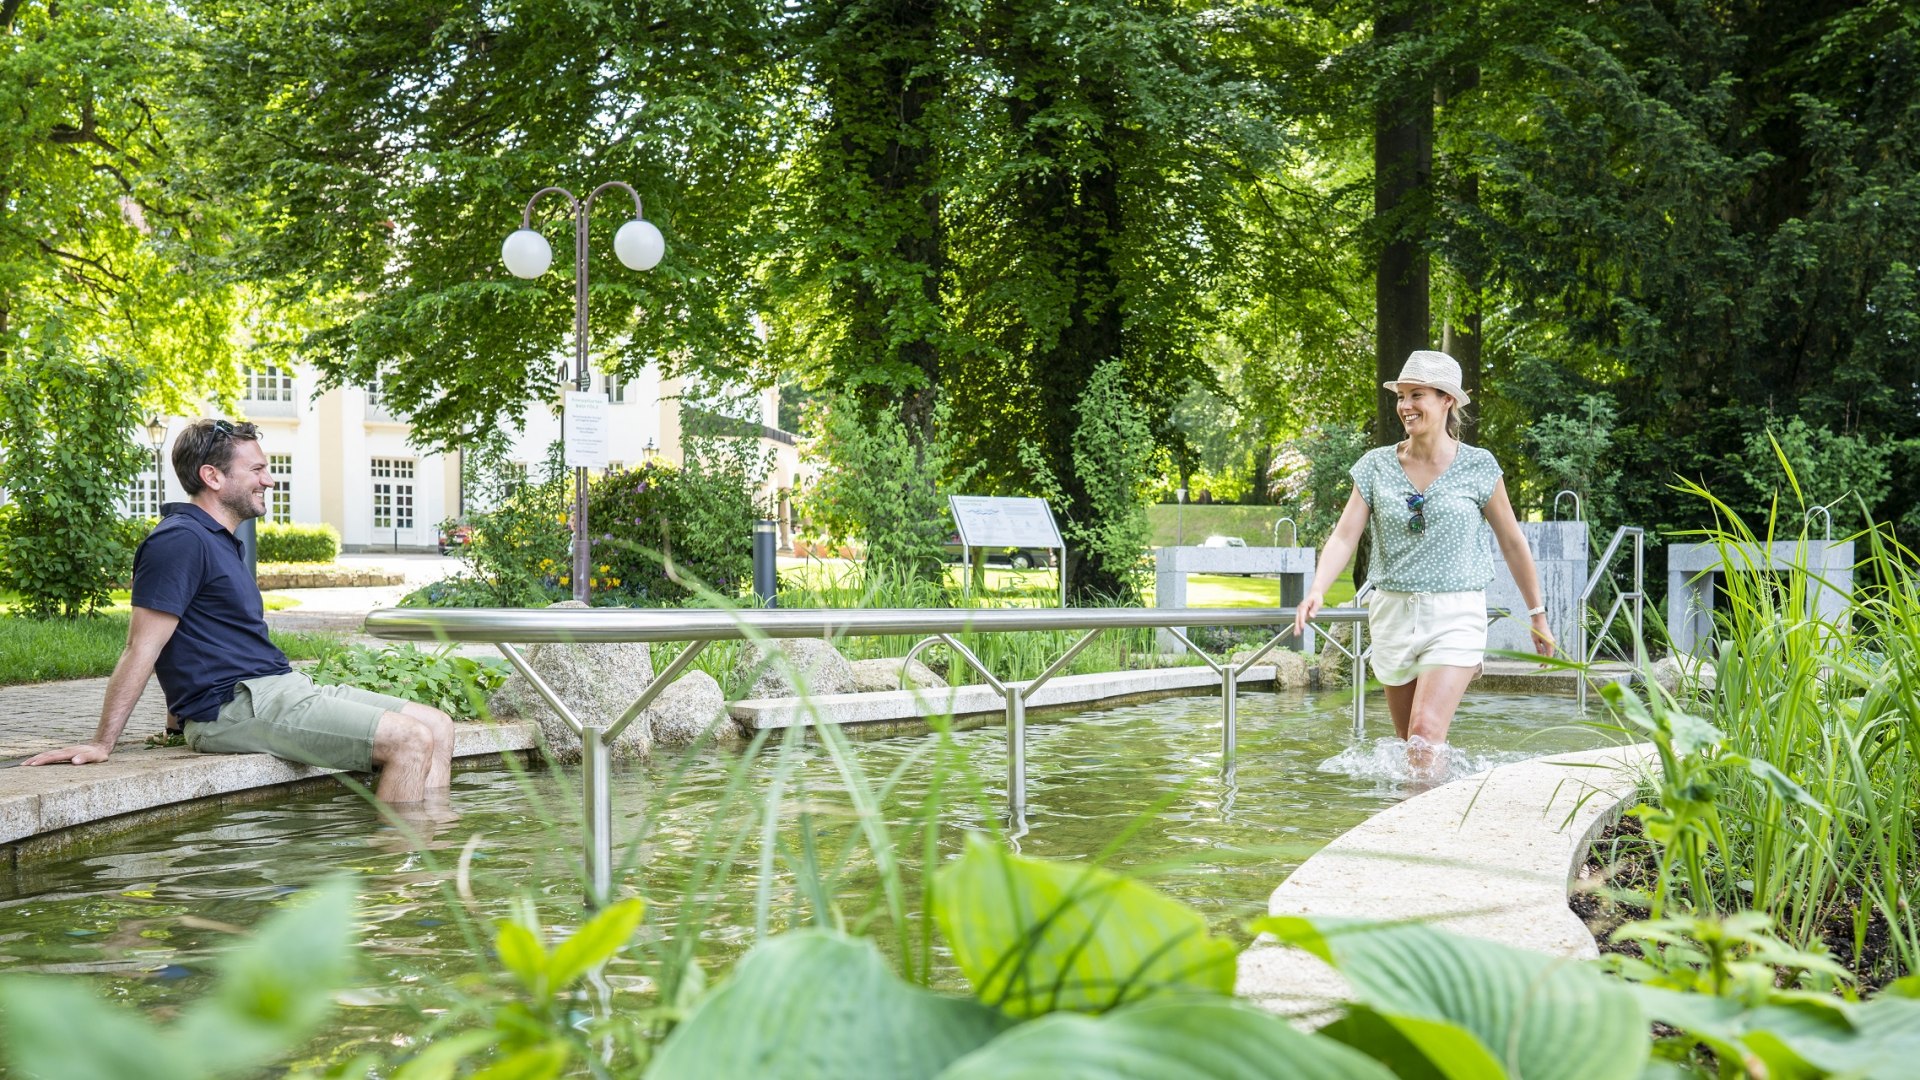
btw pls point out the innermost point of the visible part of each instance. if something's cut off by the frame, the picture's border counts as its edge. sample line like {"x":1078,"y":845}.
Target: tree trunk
{"x":1402,"y":173}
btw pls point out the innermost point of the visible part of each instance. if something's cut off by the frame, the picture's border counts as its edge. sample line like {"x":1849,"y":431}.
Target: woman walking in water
{"x":1430,"y":501}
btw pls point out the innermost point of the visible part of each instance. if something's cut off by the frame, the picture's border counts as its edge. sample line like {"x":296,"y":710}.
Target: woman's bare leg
{"x":1436,"y":697}
{"x":1400,"y":705}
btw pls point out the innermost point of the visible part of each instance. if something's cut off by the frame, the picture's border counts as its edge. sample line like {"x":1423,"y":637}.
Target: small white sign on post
{"x":585,"y":431}
{"x":986,"y":521}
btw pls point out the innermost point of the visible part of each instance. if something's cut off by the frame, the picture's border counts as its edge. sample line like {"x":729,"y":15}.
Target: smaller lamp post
{"x":157,"y":436}
{"x":649,"y":451}
{"x":527,"y":255}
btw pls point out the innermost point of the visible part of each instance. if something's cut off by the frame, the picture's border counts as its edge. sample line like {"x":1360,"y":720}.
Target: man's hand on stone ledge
{"x":84,"y":754}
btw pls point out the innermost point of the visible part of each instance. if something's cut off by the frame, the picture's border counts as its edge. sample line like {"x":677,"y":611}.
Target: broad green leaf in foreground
{"x":1798,"y":1034}
{"x":814,"y":1003}
{"x":272,"y":991}
{"x":1541,"y":1017}
{"x":1034,"y":937}
{"x":1200,"y":1039}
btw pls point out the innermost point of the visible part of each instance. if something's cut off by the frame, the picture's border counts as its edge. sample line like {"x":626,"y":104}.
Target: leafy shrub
{"x":298,"y":543}
{"x":456,"y":685}
{"x":1574,"y":454}
{"x":659,"y":529}
{"x":1115,"y":461}
{"x":456,"y":591}
{"x":883,"y":490}
{"x":520,"y":550}
{"x":128,"y":532}
{"x":66,"y":457}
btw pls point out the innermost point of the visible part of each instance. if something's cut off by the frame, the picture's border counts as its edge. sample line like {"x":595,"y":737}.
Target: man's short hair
{"x":207,"y":442}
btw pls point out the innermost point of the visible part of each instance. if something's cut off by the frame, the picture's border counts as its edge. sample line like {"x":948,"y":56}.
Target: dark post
{"x":766,"y":582}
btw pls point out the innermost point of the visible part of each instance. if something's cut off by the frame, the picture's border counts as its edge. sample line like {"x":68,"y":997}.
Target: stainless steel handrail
{"x":1638,"y":596}
{"x":1579,"y":514}
{"x":1286,"y":521}
{"x":506,"y":628}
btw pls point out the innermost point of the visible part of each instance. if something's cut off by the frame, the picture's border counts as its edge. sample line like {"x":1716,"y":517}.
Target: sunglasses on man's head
{"x":1417,"y":503}
{"x":227,"y":430}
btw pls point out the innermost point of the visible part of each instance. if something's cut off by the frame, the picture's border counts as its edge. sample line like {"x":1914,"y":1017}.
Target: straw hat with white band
{"x":1425,"y":367}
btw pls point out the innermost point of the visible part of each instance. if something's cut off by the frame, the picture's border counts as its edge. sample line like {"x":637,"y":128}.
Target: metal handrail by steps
{"x":507,"y":628}
{"x":1602,"y":573}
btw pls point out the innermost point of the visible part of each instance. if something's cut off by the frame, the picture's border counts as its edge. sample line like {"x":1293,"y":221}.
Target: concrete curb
{"x":1489,"y":856}
{"x":40,"y":802}
{"x":960,"y":702}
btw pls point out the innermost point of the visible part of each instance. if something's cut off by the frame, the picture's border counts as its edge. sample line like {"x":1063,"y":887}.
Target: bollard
{"x":766,"y":579}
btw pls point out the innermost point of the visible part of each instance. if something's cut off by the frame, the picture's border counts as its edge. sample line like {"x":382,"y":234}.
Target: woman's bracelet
{"x":1538,"y":610}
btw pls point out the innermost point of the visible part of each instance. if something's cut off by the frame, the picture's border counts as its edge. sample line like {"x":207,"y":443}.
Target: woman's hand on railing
{"x":1304,"y":614}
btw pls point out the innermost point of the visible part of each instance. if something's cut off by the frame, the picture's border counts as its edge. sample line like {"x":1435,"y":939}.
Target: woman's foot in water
{"x":1426,"y":761}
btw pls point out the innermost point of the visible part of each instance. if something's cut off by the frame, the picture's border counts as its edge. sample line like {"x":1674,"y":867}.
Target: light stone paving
{"x":894,"y":706}
{"x":1489,"y":856}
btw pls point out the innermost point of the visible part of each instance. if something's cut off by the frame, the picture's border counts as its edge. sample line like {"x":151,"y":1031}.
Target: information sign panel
{"x":584,"y":430}
{"x":990,"y":522}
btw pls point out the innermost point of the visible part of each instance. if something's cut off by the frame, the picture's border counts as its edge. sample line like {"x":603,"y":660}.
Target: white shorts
{"x":1416,"y":632}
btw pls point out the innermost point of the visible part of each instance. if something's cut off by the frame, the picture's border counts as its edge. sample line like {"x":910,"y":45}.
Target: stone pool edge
{"x":42,"y":809}
{"x":1490,"y":856}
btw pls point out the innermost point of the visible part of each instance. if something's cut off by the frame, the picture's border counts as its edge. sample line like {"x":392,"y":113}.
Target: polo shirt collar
{"x":199,"y":517}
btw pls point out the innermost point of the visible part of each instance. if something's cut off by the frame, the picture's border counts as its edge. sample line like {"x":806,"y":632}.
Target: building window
{"x":616,"y":388}
{"x":280,"y":499}
{"x":145,"y":493}
{"x":267,"y":383}
{"x":392,"y":493}
{"x":375,"y":398}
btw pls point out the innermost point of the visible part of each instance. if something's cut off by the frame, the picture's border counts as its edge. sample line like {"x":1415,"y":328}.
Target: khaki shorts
{"x":289,"y":717}
{"x":1416,"y":632}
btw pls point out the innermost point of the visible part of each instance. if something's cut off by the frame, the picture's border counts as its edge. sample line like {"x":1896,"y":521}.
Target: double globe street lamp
{"x":527,"y":254}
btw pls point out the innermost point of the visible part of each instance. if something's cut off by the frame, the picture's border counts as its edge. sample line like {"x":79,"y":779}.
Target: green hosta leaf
{"x":58,"y":1030}
{"x":1034,"y":936}
{"x":815,"y":1003}
{"x":1540,"y":1016}
{"x":1203,"y":1039}
{"x":543,"y":1062}
{"x":595,"y":943}
{"x":273,"y":991}
{"x":1415,"y":1048}
{"x":1801,"y":1034}
{"x":520,"y":951}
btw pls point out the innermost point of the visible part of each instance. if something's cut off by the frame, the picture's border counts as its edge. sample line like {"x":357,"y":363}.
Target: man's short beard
{"x":241,"y":505}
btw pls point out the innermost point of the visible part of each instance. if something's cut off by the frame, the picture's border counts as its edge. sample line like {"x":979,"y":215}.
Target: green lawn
{"x":121,"y":602}
{"x":33,"y":650}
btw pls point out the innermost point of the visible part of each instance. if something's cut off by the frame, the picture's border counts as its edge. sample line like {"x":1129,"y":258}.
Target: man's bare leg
{"x":403,"y":748}
{"x":440,"y":725}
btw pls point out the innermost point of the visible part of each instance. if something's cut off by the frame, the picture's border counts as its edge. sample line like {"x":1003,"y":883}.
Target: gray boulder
{"x":1331,"y":669}
{"x":1289,"y":667}
{"x":1669,"y":673}
{"x":597,"y":681}
{"x":687,"y":709}
{"x":871,"y":676}
{"x":768,"y":669}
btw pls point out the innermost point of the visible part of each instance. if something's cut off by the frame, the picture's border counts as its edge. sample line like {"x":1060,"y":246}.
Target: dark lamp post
{"x":528,"y":255}
{"x":157,"y":436}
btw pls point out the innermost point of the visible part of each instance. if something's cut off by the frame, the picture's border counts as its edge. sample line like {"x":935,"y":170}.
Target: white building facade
{"x":341,"y":458}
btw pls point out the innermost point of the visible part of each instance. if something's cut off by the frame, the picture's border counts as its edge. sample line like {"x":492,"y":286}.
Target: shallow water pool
{"x":145,"y":910}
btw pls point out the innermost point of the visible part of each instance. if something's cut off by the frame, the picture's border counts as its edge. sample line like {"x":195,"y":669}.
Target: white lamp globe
{"x":639,"y":244}
{"x":526,"y":253}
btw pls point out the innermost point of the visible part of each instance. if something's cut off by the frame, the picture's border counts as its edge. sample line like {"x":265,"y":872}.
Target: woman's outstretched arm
{"x":1333,"y":559}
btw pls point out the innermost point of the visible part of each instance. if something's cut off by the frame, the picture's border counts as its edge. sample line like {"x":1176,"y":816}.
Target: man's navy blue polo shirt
{"x":190,"y":566}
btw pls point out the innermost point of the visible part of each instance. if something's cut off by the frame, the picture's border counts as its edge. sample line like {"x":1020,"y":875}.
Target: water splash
{"x":1387,"y":759}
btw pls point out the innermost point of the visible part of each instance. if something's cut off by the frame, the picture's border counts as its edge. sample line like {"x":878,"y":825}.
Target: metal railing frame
{"x":1638,"y":596}
{"x":506,"y":629}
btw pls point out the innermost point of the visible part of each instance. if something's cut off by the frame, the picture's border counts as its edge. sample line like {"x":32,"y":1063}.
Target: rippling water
{"x":145,"y":910}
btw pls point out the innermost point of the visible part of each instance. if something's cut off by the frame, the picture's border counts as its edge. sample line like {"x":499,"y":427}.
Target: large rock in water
{"x":1332,"y":669}
{"x":769,"y":669}
{"x":1289,"y":667}
{"x":687,"y":709}
{"x":1669,"y":673}
{"x":597,"y":681}
{"x":870,"y":676}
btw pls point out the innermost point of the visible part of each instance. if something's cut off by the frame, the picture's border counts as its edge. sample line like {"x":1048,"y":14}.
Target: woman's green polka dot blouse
{"x":1452,"y":551}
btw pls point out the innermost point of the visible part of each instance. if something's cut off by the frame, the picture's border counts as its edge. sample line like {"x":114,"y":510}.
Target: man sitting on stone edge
{"x":199,"y":622}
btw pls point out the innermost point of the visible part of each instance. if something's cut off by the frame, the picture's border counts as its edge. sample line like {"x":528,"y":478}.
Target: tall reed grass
{"x":1833,"y":705}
